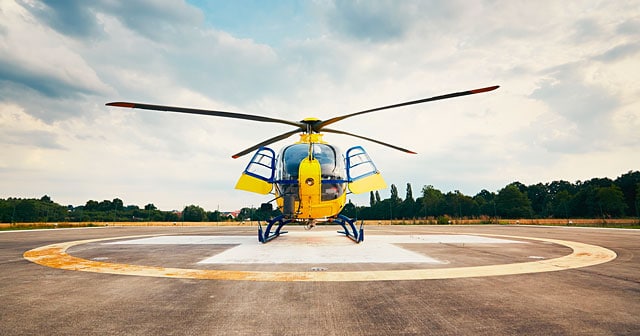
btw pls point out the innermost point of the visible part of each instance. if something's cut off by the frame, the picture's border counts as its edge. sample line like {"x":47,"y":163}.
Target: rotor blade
{"x":328,"y":130}
{"x":419,"y":101}
{"x":204,"y":112}
{"x":267,"y":142}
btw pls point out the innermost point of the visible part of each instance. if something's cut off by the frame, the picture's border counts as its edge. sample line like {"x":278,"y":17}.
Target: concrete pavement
{"x":599,"y":298}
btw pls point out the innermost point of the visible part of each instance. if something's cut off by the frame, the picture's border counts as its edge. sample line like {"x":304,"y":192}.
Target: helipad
{"x":321,"y":248}
{"x":316,"y":247}
{"x":147,"y":280}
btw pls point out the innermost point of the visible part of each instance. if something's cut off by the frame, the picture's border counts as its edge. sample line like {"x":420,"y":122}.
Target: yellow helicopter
{"x":310,"y":178}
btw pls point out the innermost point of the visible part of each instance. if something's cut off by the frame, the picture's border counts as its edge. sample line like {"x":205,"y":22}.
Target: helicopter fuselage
{"x":311,"y":180}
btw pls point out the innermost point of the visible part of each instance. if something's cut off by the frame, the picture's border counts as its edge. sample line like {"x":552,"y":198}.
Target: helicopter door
{"x":362,"y":174}
{"x":258,"y":177}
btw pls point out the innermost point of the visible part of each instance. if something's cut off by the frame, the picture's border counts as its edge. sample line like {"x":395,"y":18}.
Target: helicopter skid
{"x":266,"y":235}
{"x":348,"y":225}
{"x":357,"y":235}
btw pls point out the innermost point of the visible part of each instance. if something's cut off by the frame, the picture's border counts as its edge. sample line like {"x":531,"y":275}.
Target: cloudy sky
{"x":568,"y":106}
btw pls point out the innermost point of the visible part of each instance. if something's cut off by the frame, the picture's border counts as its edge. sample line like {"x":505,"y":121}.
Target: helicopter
{"x":310,"y":178}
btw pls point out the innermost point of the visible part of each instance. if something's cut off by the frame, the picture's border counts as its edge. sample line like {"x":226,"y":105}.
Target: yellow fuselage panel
{"x":324,"y":208}
{"x":321,"y":209}
{"x":367,"y":184}
{"x":310,"y":181}
{"x":310,"y":204}
{"x":253,"y":184}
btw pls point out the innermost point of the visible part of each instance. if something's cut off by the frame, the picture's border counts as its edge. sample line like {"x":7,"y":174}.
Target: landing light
{"x":309,"y":181}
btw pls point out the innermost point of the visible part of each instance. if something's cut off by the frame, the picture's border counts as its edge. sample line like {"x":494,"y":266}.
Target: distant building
{"x":233,"y":214}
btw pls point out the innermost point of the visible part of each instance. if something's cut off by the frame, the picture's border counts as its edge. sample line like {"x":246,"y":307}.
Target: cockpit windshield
{"x":328,"y":156}
{"x":291,"y":157}
{"x":331,"y":163}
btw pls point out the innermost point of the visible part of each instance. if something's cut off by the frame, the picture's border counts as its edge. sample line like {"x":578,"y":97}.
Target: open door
{"x":362,"y":174}
{"x":258,"y":177}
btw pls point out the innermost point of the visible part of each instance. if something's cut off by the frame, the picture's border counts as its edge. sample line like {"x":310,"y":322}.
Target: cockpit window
{"x":331,"y":163}
{"x":327,"y":158}
{"x":325,"y":154}
{"x":292,"y":156}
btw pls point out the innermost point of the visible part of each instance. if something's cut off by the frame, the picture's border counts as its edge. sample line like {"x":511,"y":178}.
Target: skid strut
{"x":266,"y":235}
{"x":357,"y":235}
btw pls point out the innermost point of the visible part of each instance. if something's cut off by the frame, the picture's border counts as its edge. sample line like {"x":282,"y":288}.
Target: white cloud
{"x":567,"y":107}
{"x":36,"y":57}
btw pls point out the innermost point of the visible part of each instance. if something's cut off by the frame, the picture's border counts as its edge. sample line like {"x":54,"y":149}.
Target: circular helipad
{"x":236,"y":254}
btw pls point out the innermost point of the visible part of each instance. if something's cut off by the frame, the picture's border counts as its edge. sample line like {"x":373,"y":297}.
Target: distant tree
{"x":513,"y":203}
{"x":377,"y":197}
{"x":599,"y":182}
{"x":611,"y":201}
{"x":628,"y":183}
{"x":25,"y":211}
{"x":452,"y":204}
{"x":394,"y":194}
{"x":468,"y":205}
{"x":6,"y":210}
{"x":409,"y":195}
{"x":372,"y":199}
{"x":16,"y":210}
{"x":638,"y":200}
{"x":523,"y":188}
{"x":105,"y":205}
{"x":433,"y":200}
{"x":560,"y":204}
{"x":245,"y":214}
{"x":193,"y":213}
{"x":486,"y":203}
{"x":350,"y":210}
{"x":395,"y":203}
{"x":585,"y":202}
{"x":170,"y":216}
{"x":91,"y":205}
{"x":460,"y":205}
{"x":557,"y":186}
{"x":215,"y":216}
{"x":538,"y":195}
{"x":386,"y":210}
{"x":408,"y":208}
{"x":117,"y":203}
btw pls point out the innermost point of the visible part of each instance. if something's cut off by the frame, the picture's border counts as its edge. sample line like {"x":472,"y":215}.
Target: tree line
{"x":595,"y":198}
{"x":17,"y":210}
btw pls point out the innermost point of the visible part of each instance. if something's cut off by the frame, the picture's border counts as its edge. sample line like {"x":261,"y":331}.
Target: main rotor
{"x":307,"y":125}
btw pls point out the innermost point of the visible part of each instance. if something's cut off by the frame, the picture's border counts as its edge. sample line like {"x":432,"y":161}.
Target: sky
{"x":568,"y":106}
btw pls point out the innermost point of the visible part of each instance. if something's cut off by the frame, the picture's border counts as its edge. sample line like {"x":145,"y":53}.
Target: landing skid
{"x":357,"y":235}
{"x":265,"y":235}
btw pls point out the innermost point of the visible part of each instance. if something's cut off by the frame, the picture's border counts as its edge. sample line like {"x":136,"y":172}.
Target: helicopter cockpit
{"x":331,"y":162}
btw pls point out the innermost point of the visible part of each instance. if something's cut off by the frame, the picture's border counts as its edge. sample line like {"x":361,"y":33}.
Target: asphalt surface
{"x":602,"y":299}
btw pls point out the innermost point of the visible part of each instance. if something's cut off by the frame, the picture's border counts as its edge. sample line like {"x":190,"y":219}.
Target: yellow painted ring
{"x":583,"y":255}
